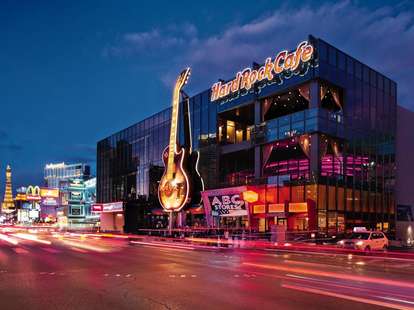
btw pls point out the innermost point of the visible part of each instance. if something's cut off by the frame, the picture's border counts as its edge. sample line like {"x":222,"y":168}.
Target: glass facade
{"x":127,"y":159}
{"x":324,"y":137}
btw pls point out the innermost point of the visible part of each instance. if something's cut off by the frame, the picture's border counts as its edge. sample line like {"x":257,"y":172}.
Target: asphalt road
{"x":78,"y":272}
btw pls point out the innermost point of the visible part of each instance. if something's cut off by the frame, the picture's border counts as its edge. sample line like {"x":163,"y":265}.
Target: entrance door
{"x":262,"y":225}
{"x":301,"y":223}
{"x":282,"y":222}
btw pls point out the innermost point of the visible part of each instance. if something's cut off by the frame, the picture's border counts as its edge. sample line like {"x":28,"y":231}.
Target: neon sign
{"x":245,"y":79}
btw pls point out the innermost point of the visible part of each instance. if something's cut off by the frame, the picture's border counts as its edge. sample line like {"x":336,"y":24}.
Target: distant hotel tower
{"x":8,"y":204}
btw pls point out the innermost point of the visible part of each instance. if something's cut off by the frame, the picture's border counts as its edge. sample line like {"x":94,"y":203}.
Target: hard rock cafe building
{"x":305,"y":141}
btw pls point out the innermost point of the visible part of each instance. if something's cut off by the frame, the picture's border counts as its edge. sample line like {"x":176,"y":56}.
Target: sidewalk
{"x":260,"y":245}
{"x":238,"y":243}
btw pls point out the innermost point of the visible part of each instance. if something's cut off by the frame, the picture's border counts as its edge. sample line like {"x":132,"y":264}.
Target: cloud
{"x":382,"y":38}
{"x":139,"y":43}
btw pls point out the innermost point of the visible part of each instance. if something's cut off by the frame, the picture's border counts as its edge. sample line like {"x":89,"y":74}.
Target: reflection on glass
{"x":231,"y":133}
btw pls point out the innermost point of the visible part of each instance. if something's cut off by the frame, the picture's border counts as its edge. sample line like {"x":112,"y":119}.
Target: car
{"x":365,"y":240}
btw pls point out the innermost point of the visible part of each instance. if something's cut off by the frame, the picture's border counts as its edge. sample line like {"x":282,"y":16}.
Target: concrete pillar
{"x":257,"y":113}
{"x":257,"y":162}
{"x":257,"y":152}
{"x":314,"y":95}
{"x":314,"y":155}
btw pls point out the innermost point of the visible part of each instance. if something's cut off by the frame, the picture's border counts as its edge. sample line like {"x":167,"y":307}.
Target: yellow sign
{"x":298,"y":207}
{"x":250,"y":196}
{"x":259,"y":209}
{"x":49,"y":192}
{"x":245,"y":79}
{"x":276,"y":207}
{"x":21,"y":197}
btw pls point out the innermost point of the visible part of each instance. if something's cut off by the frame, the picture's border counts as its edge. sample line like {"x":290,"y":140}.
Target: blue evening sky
{"x":74,"y":72}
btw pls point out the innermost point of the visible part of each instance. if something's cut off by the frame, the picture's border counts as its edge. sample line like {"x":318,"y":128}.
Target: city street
{"x":224,"y":156}
{"x":75,"y":271}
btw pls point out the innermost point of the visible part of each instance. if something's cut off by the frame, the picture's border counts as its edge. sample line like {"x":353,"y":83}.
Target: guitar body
{"x":196,"y":181}
{"x":174,"y":188}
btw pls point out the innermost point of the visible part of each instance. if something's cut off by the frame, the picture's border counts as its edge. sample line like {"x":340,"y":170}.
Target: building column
{"x":314,"y":95}
{"x":257,"y":152}
{"x":314,"y":156}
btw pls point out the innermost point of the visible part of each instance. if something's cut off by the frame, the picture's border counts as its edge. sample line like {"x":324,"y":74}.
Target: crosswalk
{"x":27,"y":250}
{"x":36,"y":245}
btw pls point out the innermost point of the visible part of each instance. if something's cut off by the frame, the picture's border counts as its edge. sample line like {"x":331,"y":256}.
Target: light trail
{"x":163,"y":245}
{"x":329,"y":274}
{"x":84,"y":246}
{"x":309,"y":264}
{"x":397,"y":300}
{"x":9,"y":239}
{"x":31,"y":238}
{"x":347,"y":297}
{"x":375,"y":292}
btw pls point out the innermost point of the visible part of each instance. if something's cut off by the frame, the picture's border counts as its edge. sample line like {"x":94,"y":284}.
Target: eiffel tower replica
{"x":7,"y":207}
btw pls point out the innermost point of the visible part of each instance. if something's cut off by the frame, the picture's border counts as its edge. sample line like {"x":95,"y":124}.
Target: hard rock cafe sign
{"x":284,"y":62}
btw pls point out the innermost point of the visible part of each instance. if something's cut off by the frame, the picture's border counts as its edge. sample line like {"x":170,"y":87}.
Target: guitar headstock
{"x":182,"y":79}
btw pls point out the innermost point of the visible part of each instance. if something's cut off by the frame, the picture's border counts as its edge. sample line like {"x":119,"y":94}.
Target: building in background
{"x":28,"y":204}
{"x":90,"y":200}
{"x":309,"y":149}
{"x":62,"y":176}
{"x":48,"y":204}
{"x":77,"y":197}
{"x":405,"y":171}
{"x":23,"y":206}
{"x":54,"y":174}
{"x":7,"y":206}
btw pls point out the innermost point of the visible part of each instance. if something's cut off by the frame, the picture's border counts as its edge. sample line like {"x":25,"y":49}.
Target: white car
{"x":365,"y":240}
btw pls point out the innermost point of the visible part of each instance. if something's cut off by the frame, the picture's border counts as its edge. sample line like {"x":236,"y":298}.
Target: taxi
{"x":365,"y":240}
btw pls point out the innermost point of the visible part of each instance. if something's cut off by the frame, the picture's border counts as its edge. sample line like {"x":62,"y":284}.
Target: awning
{"x":158,"y":212}
{"x":196,"y":210}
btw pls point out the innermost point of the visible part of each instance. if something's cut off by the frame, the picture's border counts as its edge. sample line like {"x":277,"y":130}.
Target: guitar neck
{"x":173,"y":134}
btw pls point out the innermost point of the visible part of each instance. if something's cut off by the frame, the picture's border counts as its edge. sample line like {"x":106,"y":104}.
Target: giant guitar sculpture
{"x":196,"y":181}
{"x":174,"y":188}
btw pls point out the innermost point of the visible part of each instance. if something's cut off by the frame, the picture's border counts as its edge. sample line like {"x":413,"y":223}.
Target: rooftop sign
{"x":245,"y":79}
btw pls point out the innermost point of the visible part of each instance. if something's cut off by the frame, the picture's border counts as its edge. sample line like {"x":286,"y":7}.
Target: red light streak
{"x":328,"y":274}
{"x":155,"y":244}
{"x":31,"y":238}
{"x":353,"y":298}
{"x":8,"y":239}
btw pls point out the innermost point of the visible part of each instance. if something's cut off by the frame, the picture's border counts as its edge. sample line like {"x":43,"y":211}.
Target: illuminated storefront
{"x":28,"y":202}
{"x":77,"y":198}
{"x":49,"y":204}
{"x":111,"y":216}
{"x":305,"y":141}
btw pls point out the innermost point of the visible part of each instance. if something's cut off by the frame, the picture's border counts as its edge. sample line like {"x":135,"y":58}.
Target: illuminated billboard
{"x":226,"y":202}
{"x":284,"y":65}
{"x":49,"y":193}
{"x":33,"y":193}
